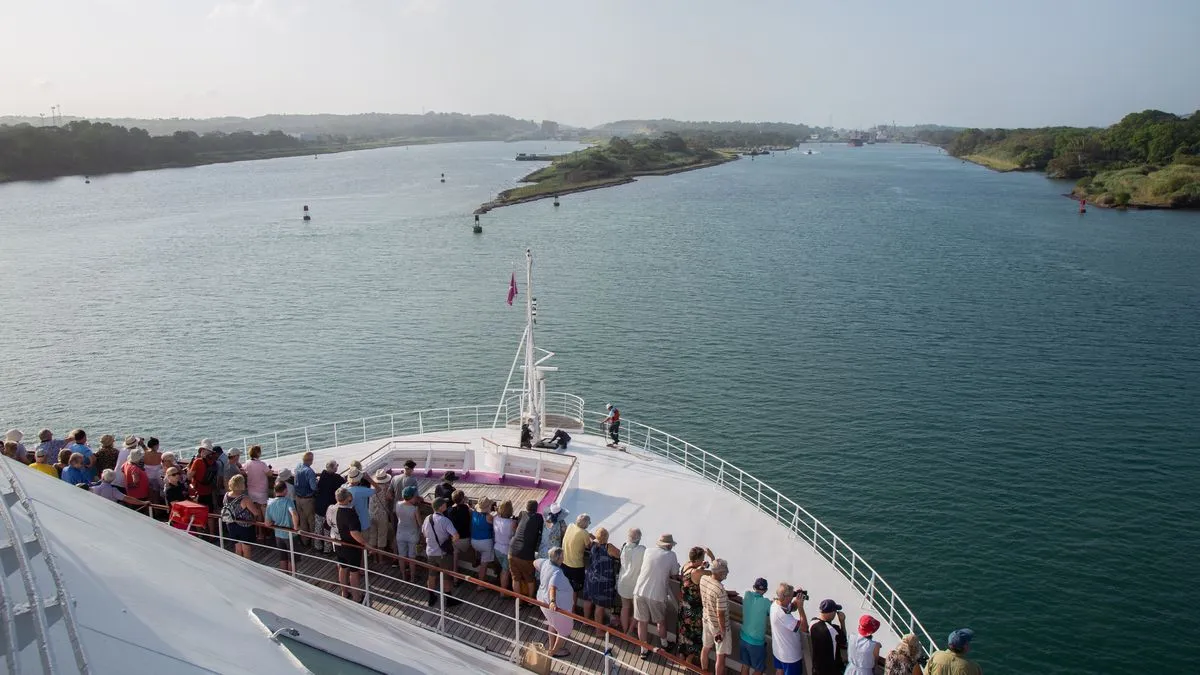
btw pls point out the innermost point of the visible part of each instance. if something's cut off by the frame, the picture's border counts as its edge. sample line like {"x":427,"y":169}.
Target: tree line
{"x":1150,"y":137}
{"x":81,"y":147}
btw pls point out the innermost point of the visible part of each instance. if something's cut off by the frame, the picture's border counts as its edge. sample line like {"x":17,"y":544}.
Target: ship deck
{"x":635,"y":488}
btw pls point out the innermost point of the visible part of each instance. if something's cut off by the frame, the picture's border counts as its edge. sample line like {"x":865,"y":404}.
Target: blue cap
{"x":830,"y":606}
{"x":760,"y":584}
{"x":960,"y":638}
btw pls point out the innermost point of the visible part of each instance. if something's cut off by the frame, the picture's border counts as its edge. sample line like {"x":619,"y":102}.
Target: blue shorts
{"x":796,"y":668}
{"x":754,"y":656}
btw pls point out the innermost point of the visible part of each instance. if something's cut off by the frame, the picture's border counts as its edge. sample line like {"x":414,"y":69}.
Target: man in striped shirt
{"x":716,"y":615}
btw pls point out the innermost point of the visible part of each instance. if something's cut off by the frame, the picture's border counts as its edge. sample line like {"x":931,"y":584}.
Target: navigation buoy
{"x":477,"y":229}
{"x":1083,"y":206}
{"x":306,"y":216}
{"x":87,"y":180}
{"x":556,"y":200}
{"x":443,"y":178}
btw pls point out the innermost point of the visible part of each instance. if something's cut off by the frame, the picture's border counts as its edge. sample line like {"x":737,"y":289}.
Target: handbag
{"x":536,"y":658}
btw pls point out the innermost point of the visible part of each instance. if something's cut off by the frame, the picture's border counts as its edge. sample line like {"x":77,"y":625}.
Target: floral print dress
{"x":691,"y":614}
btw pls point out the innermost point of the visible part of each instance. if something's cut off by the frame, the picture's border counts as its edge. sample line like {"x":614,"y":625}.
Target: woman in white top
{"x":503,"y":526}
{"x":555,"y":590}
{"x":631,"y":564}
{"x":864,"y":651}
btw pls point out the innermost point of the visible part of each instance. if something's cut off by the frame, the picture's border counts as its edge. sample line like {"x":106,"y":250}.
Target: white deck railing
{"x":383,"y":427}
{"x":795,"y":518}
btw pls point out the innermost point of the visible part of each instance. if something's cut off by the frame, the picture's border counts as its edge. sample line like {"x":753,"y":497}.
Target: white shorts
{"x":486,"y":548}
{"x":653,"y":611}
{"x":725,"y":646}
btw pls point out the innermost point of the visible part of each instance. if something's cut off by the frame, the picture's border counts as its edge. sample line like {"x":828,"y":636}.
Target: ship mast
{"x":533,"y":383}
{"x":532,"y":407}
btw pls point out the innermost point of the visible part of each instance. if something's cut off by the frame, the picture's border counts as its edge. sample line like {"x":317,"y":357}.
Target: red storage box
{"x":187,"y":511}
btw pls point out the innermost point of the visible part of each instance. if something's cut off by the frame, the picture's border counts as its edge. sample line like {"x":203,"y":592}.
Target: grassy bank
{"x":994,"y":162}
{"x":618,"y":162}
{"x":1171,"y":187}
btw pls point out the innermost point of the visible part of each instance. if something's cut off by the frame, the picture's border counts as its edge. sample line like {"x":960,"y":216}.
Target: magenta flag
{"x":512,"y":288}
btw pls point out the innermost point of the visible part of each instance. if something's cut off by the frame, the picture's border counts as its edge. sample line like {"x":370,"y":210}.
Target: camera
{"x":800,"y":592}
{"x":922,"y":660}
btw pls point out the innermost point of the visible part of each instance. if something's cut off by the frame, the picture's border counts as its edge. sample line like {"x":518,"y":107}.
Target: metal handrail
{"x":610,"y":634}
{"x":845,"y":560}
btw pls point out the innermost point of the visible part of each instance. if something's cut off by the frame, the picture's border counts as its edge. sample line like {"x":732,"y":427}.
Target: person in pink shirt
{"x":257,"y":478}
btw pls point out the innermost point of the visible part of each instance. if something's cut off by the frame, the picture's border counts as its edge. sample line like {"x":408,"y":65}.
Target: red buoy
{"x":1083,"y":206}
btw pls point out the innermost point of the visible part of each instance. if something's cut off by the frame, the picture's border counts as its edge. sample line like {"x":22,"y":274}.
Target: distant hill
{"x":366,"y":126}
{"x":653,"y":127}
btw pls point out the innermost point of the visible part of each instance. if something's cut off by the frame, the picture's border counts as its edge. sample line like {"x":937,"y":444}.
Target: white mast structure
{"x":533,"y":386}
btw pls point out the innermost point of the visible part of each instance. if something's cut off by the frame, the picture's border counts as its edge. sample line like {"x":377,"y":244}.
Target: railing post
{"x":292,"y":552}
{"x":608,"y":655}
{"x":647,"y":446}
{"x":393,"y":425}
{"x":814,"y":541}
{"x":276,"y":443}
{"x":516,"y":630}
{"x":420,"y":422}
{"x":221,"y":532}
{"x":364,"y":425}
{"x":367,"y":576}
{"x":441,"y":602}
{"x":306,"y":448}
{"x":335,"y":441}
{"x":447,"y":419}
{"x":870,"y":590}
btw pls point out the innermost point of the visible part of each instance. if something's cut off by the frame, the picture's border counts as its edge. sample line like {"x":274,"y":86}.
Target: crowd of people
{"x":562,"y":562}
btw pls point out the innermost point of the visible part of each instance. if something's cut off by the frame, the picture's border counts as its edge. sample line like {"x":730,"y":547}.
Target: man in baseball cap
{"x":828,"y":639}
{"x":953,"y":660}
{"x":755,"y":610}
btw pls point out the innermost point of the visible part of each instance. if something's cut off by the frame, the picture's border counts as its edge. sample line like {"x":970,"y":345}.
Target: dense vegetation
{"x":367,"y":126}
{"x":1119,"y":165}
{"x":615,"y":162}
{"x":716,"y":134}
{"x":28,"y":152}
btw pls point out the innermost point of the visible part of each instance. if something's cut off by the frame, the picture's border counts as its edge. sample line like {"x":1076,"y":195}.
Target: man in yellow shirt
{"x":39,"y":463}
{"x":575,"y":543}
{"x":953,"y":660}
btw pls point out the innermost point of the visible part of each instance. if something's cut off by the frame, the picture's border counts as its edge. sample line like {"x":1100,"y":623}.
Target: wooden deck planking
{"x":475,"y":491}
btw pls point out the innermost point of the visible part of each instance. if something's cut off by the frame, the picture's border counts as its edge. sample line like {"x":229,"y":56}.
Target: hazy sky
{"x":963,"y":62}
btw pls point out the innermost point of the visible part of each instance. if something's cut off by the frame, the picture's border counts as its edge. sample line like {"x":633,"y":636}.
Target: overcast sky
{"x":961,"y":62}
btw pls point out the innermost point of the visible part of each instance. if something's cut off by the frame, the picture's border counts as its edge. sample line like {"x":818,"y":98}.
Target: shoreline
{"x":501,"y":201}
{"x":236,"y":156}
{"x":993,"y":164}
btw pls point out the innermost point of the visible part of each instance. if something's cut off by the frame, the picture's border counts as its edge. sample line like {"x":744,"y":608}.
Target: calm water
{"x":992,"y":398}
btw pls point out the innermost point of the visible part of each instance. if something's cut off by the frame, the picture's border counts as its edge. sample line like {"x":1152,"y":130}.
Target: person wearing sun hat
{"x":864,"y":650}
{"x":20,"y":453}
{"x":651,"y":590}
{"x":953,"y":660}
{"x":379,"y":506}
{"x":360,"y":488}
